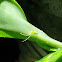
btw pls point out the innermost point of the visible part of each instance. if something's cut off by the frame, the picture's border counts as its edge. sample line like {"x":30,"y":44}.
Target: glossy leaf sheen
{"x":13,"y":22}
{"x":52,"y":57}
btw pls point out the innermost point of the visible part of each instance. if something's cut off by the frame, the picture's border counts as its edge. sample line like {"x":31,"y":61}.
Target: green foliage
{"x":52,"y":57}
{"x":10,"y":11}
{"x":13,"y":24}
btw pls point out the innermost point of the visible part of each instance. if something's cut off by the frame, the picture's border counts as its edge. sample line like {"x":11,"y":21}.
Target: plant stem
{"x":41,"y":38}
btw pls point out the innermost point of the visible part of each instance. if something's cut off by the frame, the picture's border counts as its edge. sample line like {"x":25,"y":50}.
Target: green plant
{"x":13,"y":24}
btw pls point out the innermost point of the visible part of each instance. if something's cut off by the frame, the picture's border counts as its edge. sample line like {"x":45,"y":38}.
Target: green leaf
{"x":52,"y":57}
{"x":13,"y":22}
{"x":11,"y":17}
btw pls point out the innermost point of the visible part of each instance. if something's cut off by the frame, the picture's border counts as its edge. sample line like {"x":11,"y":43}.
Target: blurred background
{"x":44,"y":14}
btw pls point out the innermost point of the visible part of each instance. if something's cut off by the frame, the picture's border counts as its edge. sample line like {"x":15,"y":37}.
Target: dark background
{"x":44,"y":14}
